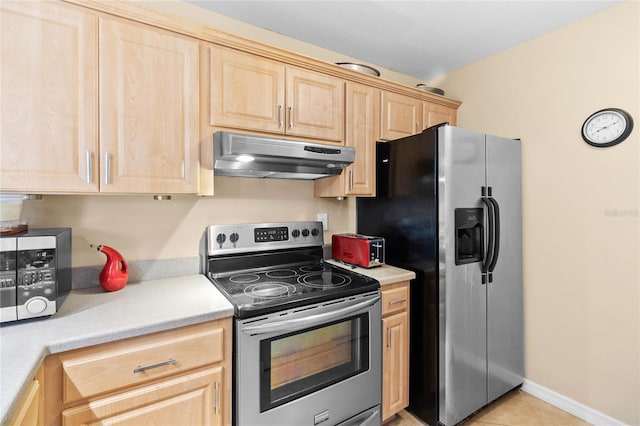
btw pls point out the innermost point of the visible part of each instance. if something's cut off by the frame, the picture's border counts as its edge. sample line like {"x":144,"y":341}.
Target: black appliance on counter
{"x":448,"y":205}
{"x":306,"y":333}
{"x":35,"y":273}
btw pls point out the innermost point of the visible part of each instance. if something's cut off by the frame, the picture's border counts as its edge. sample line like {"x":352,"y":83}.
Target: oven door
{"x":317,"y":364}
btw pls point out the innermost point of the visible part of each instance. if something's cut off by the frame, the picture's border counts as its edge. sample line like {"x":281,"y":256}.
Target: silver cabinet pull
{"x":291,"y":117}
{"x":280,"y":116}
{"x":350,"y":179}
{"x":389,"y":337}
{"x":107,"y":168}
{"x":140,"y":369}
{"x":395,"y":302}
{"x":216,"y":397}
{"x":89,"y":168}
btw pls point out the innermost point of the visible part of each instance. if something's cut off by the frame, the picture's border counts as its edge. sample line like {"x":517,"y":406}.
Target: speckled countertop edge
{"x":91,"y":316}
{"x":385,"y":274}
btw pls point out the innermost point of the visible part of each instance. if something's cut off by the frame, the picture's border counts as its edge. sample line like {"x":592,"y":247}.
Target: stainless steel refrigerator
{"x":448,"y":204}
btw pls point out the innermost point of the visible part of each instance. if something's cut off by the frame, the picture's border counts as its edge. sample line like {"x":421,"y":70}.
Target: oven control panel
{"x":248,"y":237}
{"x":265,"y":235}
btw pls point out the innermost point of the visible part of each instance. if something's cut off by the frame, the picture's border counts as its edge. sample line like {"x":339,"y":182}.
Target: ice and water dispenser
{"x":469,"y":245}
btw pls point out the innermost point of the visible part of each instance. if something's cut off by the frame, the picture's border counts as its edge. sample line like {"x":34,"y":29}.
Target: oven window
{"x":299,"y":363}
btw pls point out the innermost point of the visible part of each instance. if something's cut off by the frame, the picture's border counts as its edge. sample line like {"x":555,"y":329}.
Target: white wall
{"x":581,"y":204}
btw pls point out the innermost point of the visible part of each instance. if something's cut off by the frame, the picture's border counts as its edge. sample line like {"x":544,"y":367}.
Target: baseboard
{"x":587,"y":414}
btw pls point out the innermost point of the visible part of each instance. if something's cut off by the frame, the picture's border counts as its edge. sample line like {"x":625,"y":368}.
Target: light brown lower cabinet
{"x":395,"y":348}
{"x":180,"y":376}
{"x":30,"y":409}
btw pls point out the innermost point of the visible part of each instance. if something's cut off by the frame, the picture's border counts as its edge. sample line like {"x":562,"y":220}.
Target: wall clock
{"x":607,"y":127}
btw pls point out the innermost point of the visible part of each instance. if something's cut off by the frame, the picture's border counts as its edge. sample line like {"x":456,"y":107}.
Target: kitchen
{"x":591,"y":334}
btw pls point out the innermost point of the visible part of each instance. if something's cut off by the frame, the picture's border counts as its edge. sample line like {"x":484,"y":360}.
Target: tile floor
{"x":517,"y":408}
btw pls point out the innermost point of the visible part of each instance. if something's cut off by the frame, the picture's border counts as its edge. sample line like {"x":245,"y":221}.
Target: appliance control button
{"x":234,"y":237}
{"x":36,"y":306}
{"x":305,"y":232}
{"x":315,"y":232}
{"x":295,"y":233}
{"x":221,"y":238}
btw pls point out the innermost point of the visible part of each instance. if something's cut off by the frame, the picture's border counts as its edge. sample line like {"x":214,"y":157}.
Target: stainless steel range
{"x":307,"y":334}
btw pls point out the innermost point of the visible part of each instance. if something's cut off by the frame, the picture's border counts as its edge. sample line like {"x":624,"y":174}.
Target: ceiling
{"x":423,"y":39}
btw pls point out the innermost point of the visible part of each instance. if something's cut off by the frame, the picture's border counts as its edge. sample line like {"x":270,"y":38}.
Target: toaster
{"x":356,"y":249}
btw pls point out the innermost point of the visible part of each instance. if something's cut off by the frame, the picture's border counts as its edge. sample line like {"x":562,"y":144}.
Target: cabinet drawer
{"x":395,"y":299}
{"x":189,"y":399}
{"x":92,"y":371}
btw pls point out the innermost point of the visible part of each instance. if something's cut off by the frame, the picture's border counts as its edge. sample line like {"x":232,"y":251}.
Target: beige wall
{"x":581,"y":218}
{"x":141,"y":228}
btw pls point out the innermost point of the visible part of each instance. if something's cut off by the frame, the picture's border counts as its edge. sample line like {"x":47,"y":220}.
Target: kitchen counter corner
{"x":91,"y":316}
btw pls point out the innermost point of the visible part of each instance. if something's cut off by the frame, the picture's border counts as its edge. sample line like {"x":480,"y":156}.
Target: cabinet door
{"x":246,"y":92}
{"x":436,"y":114}
{"x":315,"y":105}
{"x":191,"y":399}
{"x":29,"y":412}
{"x":395,"y":364}
{"x":401,"y":116}
{"x":362,"y":117}
{"x":148,"y":109}
{"x":49,"y":131}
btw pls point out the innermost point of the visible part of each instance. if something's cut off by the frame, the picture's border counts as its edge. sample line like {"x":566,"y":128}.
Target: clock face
{"x":607,"y":127}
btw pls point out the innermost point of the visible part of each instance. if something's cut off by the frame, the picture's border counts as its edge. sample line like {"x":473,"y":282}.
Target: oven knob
{"x":315,"y":232}
{"x":221,"y":238}
{"x":234,"y":237}
{"x":295,"y":233}
{"x":305,"y":232}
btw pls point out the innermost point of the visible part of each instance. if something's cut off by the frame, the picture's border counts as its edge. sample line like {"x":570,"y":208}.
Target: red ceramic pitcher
{"x":115,"y":273}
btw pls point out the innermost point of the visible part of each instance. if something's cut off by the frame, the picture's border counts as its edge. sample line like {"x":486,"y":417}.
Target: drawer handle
{"x":140,"y":369}
{"x":395,"y":302}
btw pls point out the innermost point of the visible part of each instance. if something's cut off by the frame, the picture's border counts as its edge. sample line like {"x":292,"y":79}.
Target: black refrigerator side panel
{"x":404,"y":212}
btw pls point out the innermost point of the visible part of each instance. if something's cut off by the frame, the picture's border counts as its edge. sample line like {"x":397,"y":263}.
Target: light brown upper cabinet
{"x":149,"y":109}
{"x":91,"y":104}
{"x":254,"y":93}
{"x":362,"y":116}
{"x":436,"y":114}
{"x":401,"y":116}
{"x":49,"y":86}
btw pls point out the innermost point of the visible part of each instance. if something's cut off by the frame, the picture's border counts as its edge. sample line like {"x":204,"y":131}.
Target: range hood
{"x":241,"y":155}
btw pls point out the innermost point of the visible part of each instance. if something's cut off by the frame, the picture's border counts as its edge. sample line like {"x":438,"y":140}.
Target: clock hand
{"x":608,"y":125}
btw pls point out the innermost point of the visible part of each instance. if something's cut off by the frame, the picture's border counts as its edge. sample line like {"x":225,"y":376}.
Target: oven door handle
{"x":310,"y":321}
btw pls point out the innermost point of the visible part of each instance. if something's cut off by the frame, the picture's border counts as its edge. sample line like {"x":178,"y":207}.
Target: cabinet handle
{"x":140,"y":369}
{"x":280,"y":116}
{"x":395,"y":302}
{"x":89,"y":168}
{"x":216,"y":397}
{"x":389,"y":337}
{"x":107,"y":168}
{"x":291,"y":117}
{"x":350,"y":179}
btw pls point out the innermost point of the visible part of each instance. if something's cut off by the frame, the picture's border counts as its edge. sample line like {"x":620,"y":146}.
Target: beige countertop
{"x":385,"y":274}
{"x":91,"y":316}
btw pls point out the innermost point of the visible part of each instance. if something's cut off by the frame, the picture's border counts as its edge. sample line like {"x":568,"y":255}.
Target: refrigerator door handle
{"x":496,"y":234}
{"x":490,"y":231}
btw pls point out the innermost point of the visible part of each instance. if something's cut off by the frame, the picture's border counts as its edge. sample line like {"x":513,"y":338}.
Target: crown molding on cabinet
{"x":208,"y":34}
